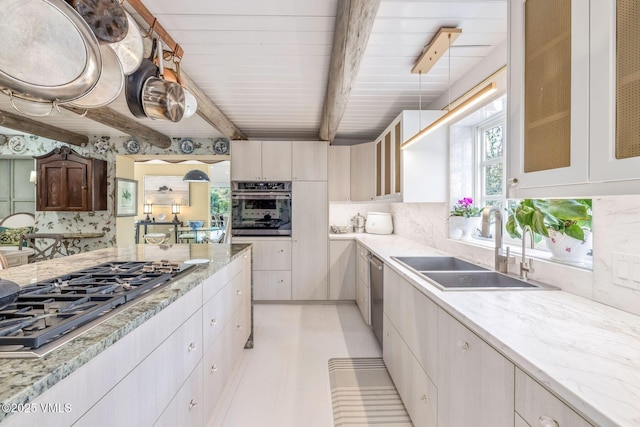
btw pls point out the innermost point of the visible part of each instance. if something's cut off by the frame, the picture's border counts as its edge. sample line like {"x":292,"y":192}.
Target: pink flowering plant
{"x":465,"y":208}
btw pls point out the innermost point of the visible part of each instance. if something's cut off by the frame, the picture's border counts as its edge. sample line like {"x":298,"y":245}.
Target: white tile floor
{"x":284,"y":380}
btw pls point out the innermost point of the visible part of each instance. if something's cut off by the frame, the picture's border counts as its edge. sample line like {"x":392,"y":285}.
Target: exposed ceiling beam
{"x":354,"y":21}
{"x":33,"y":127}
{"x":210,"y":112}
{"x":128,"y":125}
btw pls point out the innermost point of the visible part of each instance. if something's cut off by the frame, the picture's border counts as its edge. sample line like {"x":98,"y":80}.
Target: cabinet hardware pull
{"x":213,"y":322}
{"x":214,"y":368}
{"x":547,"y":421}
{"x":193,"y":404}
{"x":423,"y":397}
{"x":191,"y":347}
{"x":281,"y":250}
{"x":281,"y":281}
{"x":463,"y":345}
{"x":239,"y":327}
{"x":238,"y":292}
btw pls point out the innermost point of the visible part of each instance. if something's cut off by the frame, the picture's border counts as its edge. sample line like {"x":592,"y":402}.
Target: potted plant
{"x":565,"y":224}
{"x":465,"y":216}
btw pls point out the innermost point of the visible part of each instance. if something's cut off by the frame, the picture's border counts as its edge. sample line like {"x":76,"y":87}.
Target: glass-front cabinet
{"x":574,"y":98}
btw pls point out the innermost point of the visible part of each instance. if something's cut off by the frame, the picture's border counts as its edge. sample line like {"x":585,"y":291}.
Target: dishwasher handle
{"x":375,"y":261}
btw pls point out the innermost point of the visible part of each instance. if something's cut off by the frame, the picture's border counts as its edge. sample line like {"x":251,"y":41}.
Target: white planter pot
{"x":467,"y":226}
{"x":567,"y":249}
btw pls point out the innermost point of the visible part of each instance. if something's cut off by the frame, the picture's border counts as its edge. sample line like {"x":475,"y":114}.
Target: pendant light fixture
{"x":440,"y":43}
{"x":196,"y":175}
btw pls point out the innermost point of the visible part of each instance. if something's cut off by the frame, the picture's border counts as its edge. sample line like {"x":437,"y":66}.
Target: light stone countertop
{"x":22,"y":380}
{"x":585,"y":352}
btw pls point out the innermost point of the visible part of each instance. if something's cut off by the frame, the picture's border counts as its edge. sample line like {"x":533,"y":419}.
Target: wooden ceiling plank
{"x":210,"y":112}
{"x":130,"y":126}
{"x":354,"y":21}
{"x":33,"y":127}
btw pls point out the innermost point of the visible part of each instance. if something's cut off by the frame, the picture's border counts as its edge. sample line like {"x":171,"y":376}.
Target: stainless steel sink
{"x":438,"y":263}
{"x":453,"y":274}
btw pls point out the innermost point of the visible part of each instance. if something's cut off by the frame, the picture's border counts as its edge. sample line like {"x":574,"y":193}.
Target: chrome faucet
{"x":501,"y":261}
{"x":525,"y":264}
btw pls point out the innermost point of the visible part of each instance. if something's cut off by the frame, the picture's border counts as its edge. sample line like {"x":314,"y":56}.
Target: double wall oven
{"x":260,"y":208}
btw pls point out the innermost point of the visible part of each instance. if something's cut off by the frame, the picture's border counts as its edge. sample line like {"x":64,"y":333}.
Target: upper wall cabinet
{"x":418,"y":173}
{"x":363,"y":172}
{"x":339,"y":173}
{"x":261,"y":161}
{"x":309,"y":161}
{"x":70,"y":182}
{"x":574,"y":98}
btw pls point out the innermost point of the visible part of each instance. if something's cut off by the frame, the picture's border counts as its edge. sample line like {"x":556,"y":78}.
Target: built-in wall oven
{"x":260,"y":208}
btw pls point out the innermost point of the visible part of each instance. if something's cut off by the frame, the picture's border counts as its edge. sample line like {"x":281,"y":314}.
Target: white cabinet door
{"x":272,"y":285}
{"x":342,"y":270}
{"x":246,"y":160}
{"x":538,"y":407}
{"x":276,"y":160}
{"x":363,"y":299}
{"x":186,"y":408}
{"x":475,"y":382}
{"x":534,"y":183}
{"x":363,"y":172}
{"x":417,"y":391}
{"x":309,"y":249}
{"x":362,"y":271}
{"x":309,"y":160}
{"x":272,"y":254}
{"x":339,"y":173}
{"x":425,"y":163}
{"x":415,"y":317}
{"x":604,"y":164}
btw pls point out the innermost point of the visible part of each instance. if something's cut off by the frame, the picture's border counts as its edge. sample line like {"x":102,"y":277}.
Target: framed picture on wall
{"x":165,"y":190}
{"x":126,"y":197}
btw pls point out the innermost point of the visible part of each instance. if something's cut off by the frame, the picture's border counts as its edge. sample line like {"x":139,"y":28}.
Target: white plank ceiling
{"x":265,"y":63}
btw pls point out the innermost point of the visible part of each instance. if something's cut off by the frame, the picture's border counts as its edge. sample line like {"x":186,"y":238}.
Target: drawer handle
{"x":423,"y":398}
{"x":281,"y":281}
{"x":238,"y":292}
{"x":547,"y":422}
{"x":193,"y":404}
{"x":463,"y":345}
{"x":213,"y":322}
{"x":214,"y":368}
{"x":281,"y":250}
{"x":238,"y":327}
{"x":191,"y":347}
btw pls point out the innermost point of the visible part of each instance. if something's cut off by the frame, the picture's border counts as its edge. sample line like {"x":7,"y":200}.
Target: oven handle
{"x":261,"y":195}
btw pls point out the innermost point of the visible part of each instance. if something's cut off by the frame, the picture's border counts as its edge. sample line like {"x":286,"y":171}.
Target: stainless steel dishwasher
{"x":376,"y":275}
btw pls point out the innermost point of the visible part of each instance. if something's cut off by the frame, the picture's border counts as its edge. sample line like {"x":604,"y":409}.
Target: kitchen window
{"x":477,"y":149}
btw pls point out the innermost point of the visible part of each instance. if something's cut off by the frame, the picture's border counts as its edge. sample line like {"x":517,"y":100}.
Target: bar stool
{"x":156,"y":238}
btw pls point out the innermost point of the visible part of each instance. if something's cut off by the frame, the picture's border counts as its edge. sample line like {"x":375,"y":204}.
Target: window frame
{"x":481,"y":163}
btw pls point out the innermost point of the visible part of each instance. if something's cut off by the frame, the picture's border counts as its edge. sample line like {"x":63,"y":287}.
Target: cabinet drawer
{"x":164,"y":371}
{"x":362,"y":268}
{"x":418,"y":393}
{"x":186,"y":408}
{"x":213,"y":284}
{"x":272,"y":255}
{"x":415,"y":317}
{"x":363,"y":298}
{"x":539,"y":408}
{"x":272,"y":285}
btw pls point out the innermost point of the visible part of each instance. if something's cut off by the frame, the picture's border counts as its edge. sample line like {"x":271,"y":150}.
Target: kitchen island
{"x":81,"y":378}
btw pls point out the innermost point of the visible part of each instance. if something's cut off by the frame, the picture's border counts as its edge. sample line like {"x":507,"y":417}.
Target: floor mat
{"x":363,"y":394}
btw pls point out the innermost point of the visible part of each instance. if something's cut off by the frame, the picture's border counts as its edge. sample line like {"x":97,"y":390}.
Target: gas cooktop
{"x":49,"y":313}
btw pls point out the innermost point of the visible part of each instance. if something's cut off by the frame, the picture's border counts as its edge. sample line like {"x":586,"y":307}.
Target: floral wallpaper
{"x":105,"y":148}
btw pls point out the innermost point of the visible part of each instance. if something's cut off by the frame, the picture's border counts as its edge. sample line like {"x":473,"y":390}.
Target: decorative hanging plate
{"x":186,"y":146}
{"x":132,"y":146}
{"x":101,"y":146}
{"x":221,"y":146}
{"x":17,"y":144}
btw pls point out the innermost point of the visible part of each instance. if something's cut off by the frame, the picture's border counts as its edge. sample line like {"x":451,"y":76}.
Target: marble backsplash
{"x":616,"y":229}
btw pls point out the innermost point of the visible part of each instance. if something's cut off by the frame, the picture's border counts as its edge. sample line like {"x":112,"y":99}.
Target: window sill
{"x":515,"y":250}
